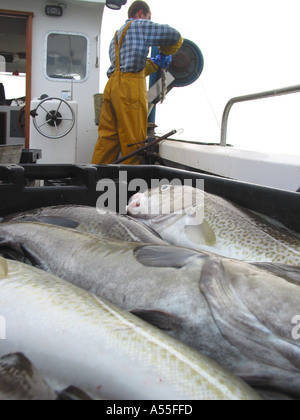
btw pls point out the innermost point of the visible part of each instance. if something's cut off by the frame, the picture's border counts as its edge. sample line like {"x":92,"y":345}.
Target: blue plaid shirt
{"x":141,"y":35}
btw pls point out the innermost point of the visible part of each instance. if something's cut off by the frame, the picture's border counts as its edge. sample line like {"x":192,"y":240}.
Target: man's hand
{"x":162,"y":60}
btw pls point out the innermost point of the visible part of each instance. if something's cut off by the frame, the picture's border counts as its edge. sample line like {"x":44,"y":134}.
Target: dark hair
{"x":136,"y":7}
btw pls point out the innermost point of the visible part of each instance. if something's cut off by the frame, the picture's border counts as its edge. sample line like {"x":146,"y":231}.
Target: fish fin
{"x":51,"y":220}
{"x":11,"y":250}
{"x":3,"y":268}
{"x":72,"y":393}
{"x":12,"y":254}
{"x":238,"y":324}
{"x":149,"y":228}
{"x":160,"y":319}
{"x":165,"y":256}
{"x":289,"y":273}
{"x":201,"y":234}
{"x":15,"y":251}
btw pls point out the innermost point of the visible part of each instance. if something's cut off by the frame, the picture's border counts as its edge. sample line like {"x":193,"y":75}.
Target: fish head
{"x":166,"y":199}
{"x":166,"y":205}
{"x":137,"y":205}
{"x":17,"y":360}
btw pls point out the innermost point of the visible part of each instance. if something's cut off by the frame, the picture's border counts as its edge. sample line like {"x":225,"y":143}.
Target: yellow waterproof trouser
{"x":124,"y":118}
{"x":124,"y":114}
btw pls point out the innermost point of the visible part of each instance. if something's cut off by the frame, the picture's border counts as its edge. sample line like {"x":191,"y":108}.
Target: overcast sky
{"x":248,"y":46}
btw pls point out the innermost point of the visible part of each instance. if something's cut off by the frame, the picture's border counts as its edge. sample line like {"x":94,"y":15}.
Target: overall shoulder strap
{"x":118,"y":45}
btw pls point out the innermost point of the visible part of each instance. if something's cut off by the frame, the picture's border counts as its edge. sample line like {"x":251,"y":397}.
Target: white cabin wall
{"x":82,"y":17}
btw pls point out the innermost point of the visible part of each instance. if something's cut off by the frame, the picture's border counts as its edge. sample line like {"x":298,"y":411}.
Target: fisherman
{"x":124,"y":114}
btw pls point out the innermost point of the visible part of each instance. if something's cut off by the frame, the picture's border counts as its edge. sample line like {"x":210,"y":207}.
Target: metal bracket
{"x":156,"y":90}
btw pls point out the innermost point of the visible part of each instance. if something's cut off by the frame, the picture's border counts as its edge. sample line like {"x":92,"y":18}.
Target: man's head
{"x":139,"y":10}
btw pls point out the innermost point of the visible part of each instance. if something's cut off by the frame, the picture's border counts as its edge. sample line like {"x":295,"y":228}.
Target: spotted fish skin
{"x":225,"y":229}
{"x":20,"y":380}
{"x":163,"y":285}
{"x":246,"y":236}
{"x":74,"y":337}
{"x":96,"y":221}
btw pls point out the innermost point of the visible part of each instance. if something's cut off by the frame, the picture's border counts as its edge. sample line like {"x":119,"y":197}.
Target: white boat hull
{"x":272,"y":170}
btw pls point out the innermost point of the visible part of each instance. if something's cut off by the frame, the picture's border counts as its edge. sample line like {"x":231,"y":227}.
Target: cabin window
{"x":66,"y":56}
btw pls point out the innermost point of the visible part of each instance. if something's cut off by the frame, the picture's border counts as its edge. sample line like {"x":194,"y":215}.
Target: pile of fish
{"x":188,"y":217}
{"x":83,"y":313}
{"x":75,"y":338}
{"x":92,"y":220}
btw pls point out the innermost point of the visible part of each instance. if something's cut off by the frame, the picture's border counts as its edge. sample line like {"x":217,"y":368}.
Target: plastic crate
{"x":77,"y":184}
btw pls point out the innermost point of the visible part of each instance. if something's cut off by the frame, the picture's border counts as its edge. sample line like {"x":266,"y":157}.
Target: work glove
{"x":162,"y":60}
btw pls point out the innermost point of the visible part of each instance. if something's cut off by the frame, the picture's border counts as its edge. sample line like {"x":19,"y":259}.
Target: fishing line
{"x":210,"y":104}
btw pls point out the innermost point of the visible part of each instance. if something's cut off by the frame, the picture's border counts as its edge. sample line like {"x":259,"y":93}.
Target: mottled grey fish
{"x":74,"y":337}
{"x":181,"y":291}
{"x":20,"y":380}
{"x":193,"y":218}
{"x":92,"y":220}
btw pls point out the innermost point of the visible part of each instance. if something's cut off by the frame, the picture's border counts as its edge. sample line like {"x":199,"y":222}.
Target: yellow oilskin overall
{"x":124,"y":114}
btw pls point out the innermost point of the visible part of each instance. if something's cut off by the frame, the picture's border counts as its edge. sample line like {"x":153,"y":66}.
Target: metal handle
{"x":255,"y":96}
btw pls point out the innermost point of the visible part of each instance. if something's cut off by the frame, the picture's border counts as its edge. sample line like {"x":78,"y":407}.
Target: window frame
{"x":79,"y":34}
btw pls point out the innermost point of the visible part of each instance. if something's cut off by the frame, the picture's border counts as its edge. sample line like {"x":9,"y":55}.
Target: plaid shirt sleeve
{"x":141,"y":35}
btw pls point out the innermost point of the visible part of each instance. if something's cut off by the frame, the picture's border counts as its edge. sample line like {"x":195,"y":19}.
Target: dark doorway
{"x":16,"y":53}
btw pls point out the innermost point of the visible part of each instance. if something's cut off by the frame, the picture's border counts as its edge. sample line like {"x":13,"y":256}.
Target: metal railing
{"x":255,"y":96}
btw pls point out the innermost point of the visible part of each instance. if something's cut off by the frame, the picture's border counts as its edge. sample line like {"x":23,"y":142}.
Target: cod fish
{"x":234,"y":312}
{"x":92,"y":220}
{"x":20,"y":380}
{"x":74,"y":337}
{"x":193,"y":218}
